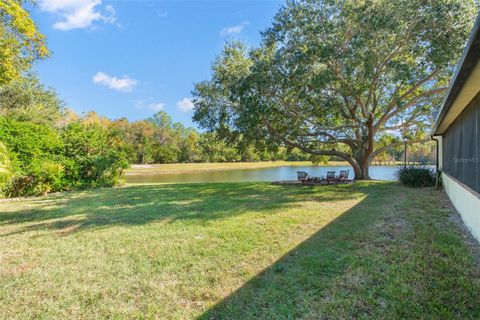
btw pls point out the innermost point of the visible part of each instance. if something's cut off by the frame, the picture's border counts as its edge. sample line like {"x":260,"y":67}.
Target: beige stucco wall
{"x":466,"y":202}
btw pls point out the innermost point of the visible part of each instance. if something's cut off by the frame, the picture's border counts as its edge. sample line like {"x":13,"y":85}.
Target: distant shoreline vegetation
{"x":170,"y":168}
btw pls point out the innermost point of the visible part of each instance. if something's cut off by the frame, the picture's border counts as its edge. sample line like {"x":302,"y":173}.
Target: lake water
{"x":255,"y":175}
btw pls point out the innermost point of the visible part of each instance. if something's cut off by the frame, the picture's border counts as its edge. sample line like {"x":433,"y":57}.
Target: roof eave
{"x":467,"y":63}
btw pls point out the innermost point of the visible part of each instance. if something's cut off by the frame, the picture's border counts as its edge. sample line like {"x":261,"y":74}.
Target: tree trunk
{"x":363,"y":159}
{"x":361,"y":170}
{"x":365,"y":171}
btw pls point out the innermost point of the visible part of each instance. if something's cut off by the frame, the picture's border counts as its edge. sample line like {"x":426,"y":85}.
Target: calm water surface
{"x":254,"y":175}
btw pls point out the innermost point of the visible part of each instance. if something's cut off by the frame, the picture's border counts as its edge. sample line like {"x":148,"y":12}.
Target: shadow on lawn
{"x":364,"y":264}
{"x":315,"y":279}
{"x":137,"y":205}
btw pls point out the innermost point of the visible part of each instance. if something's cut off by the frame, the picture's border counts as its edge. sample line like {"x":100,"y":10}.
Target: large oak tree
{"x":331,"y":77}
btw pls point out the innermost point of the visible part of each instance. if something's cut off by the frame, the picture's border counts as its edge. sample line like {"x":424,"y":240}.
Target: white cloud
{"x":234,"y":29}
{"x":156,"y":106}
{"x":77,"y":14}
{"x":112,"y":14}
{"x":185,"y":105}
{"x":124,"y":84}
{"x":149,"y":104}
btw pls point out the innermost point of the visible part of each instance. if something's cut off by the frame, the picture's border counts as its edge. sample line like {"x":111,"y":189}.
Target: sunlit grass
{"x":235,"y":251}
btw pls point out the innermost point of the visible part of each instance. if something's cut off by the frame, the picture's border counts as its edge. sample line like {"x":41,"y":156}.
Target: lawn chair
{"x":302,"y":176}
{"x":343,"y":176}
{"x":331,"y":176}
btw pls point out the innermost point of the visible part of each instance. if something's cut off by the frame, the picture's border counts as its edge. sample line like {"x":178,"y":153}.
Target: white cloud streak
{"x":156,"y":106}
{"x":234,"y":29}
{"x":149,"y":104}
{"x":185,"y":105}
{"x":124,"y":84}
{"x":78,"y":14}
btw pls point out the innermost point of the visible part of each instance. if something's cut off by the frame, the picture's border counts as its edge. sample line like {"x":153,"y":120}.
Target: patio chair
{"x":330,"y":176}
{"x":343,"y":176}
{"x":302,"y":176}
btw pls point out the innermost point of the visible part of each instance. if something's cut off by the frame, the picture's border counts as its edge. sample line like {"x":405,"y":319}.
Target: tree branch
{"x":388,"y":115}
{"x":403,"y":40}
{"x":394,"y":144}
{"x":306,"y":149}
{"x":393,"y":102}
{"x":358,"y":100}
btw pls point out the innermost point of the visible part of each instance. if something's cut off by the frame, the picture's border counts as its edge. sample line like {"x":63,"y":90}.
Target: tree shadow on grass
{"x":359,"y":266}
{"x":299,"y":284}
{"x":138,"y":205}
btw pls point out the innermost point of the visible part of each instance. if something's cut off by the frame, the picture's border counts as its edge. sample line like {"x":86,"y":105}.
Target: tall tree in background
{"x":332,"y":76}
{"x":27,"y":99}
{"x":20,"y":41}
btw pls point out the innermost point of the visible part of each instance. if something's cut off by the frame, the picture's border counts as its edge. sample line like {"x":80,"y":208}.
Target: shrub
{"x":416,"y":176}
{"x":49,"y":177}
{"x":92,"y":160}
{"x":42,"y":177}
{"x":28,"y":142}
{"x":20,"y":185}
{"x":36,"y":157}
{"x":5,"y":167}
{"x":48,"y":159}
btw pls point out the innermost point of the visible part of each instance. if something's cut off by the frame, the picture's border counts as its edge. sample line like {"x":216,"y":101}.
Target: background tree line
{"x":46,"y":147}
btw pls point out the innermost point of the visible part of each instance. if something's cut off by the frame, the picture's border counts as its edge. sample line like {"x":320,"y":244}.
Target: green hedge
{"x":416,"y":176}
{"x":46,"y":159}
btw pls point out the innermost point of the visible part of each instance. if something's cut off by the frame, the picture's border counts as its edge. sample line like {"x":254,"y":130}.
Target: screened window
{"x":461,"y":147}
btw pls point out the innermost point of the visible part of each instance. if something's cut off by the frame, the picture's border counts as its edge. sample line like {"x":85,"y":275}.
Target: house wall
{"x":459,"y":157}
{"x":466,"y":201}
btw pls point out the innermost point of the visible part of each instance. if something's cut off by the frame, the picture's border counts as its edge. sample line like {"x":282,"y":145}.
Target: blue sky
{"x":131,"y":58}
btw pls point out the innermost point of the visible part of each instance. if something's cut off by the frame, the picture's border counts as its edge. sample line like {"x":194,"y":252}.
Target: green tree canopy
{"x":27,"y":99}
{"x":333,"y":75}
{"x":20,"y":41}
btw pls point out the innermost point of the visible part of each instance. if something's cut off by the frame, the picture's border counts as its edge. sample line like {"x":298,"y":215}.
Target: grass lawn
{"x":370,"y":250}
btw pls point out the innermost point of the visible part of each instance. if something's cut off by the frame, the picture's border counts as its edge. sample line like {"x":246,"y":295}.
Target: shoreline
{"x":170,"y":168}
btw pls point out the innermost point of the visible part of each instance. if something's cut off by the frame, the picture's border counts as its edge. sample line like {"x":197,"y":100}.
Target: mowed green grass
{"x":372,"y":250}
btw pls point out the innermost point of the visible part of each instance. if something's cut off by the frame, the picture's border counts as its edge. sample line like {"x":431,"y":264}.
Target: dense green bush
{"x":416,"y":176}
{"x":44,"y":176}
{"x":48,"y":178}
{"x":5,"y":167}
{"x":20,"y":185}
{"x":28,"y":142}
{"x":46,"y":159}
{"x":93,"y":158}
{"x":36,"y":158}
